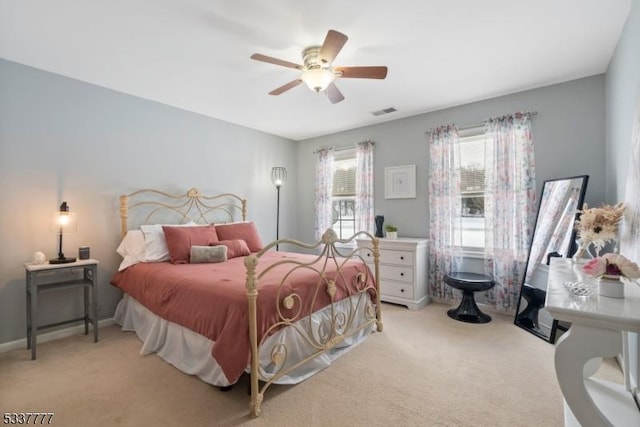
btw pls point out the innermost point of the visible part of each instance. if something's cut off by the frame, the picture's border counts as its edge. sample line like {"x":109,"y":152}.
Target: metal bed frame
{"x":331,"y":253}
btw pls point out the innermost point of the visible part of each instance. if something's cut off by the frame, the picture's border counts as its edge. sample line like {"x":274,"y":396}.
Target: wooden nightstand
{"x":43,"y":278}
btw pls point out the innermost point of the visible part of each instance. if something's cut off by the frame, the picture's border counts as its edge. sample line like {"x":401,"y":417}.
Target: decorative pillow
{"x":241,"y":230}
{"x":155,"y":244}
{"x":200,"y":254}
{"x":235,"y":248}
{"x":180,"y":239}
{"x":132,"y":249}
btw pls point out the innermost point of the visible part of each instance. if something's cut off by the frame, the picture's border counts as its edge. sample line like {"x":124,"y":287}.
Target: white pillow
{"x":156,"y":249}
{"x":132,"y":249}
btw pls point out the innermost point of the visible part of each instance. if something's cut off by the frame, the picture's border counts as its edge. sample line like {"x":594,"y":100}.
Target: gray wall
{"x":569,"y":135}
{"x":623,"y":101}
{"x":61,"y":139}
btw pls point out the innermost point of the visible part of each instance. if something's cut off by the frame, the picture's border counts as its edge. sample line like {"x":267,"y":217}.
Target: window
{"x":344,"y":193}
{"x":470,"y":229}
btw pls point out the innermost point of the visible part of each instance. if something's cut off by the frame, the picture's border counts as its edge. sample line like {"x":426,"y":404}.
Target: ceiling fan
{"x":318,"y":72}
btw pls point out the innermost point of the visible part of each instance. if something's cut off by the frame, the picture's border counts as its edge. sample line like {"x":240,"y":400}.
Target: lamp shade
{"x":278,"y":176}
{"x":63,"y":220}
{"x":318,"y":79}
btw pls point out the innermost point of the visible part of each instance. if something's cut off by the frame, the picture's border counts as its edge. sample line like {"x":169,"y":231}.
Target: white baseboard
{"x":53,"y":335}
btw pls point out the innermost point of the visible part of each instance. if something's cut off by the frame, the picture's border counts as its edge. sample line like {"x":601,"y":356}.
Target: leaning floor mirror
{"x":553,"y":236}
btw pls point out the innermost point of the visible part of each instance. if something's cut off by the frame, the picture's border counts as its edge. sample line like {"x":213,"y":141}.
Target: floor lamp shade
{"x":278,"y":178}
{"x":63,"y":221}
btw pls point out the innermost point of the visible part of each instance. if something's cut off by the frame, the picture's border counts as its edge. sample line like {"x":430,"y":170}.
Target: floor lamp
{"x":278,"y":177}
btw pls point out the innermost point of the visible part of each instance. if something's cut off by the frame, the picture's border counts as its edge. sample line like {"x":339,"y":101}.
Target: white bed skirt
{"x":190,"y":352}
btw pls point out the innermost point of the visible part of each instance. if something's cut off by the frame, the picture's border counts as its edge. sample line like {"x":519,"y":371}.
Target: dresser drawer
{"x":396,"y":257}
{"x":398,"y":273}
{"x":401,"y":290}
{"x":367,"y":254}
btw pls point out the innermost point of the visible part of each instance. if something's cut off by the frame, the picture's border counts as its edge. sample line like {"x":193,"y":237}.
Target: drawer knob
{"x":402,"y":290}
{"x":402,"y":258}
{"x":402,"y":274}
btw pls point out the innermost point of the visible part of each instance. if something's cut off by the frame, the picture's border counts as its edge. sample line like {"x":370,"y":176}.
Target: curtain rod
{"x":466,"y":127}
{"x":336,"y":150}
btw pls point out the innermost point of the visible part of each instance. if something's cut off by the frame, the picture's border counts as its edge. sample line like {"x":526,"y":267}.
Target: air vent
{"x":384,"y":111}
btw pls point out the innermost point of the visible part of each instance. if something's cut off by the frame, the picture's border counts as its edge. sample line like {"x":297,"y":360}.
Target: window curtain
{"x":324,"y":190}
{"x":444,"y":209}
{"x":364,"y":187}
{"x":509,"y":205}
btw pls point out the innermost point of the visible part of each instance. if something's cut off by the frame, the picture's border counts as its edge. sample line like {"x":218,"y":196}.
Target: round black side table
{"x":469,"y":283}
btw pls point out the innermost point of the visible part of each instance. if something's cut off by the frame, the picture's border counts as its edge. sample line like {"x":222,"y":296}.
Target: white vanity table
{"x":597,"y":330}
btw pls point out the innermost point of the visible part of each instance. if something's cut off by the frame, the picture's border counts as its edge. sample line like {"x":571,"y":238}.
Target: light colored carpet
{"x":425,"y":369}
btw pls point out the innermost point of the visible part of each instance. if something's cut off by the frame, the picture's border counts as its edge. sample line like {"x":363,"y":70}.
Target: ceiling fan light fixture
{"x":318,"y":73}
{"x":318,"y":79}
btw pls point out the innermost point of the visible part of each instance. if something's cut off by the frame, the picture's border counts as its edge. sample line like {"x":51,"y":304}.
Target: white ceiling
{"x":194,"y":54}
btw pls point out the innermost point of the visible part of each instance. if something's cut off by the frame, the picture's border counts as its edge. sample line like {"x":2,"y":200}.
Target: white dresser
{"x":598,"y":326}
{"x":403,"y":270}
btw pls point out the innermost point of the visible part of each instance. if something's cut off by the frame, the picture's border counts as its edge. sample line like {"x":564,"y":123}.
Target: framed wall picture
{"x":400,"y":182}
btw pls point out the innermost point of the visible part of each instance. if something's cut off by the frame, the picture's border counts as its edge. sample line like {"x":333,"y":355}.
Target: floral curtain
{"x":509,"y":205}
{"x":364,"y":187}
{"x":324,"y":189}
{"x":444,"y":208}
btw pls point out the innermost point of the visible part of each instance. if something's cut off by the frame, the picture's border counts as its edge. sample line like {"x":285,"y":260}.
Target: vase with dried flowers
{"x":596,"y":228}
{"x":609,"y":268}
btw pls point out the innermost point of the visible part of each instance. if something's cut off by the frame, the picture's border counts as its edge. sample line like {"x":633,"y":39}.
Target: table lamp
{"x":63,"y":221}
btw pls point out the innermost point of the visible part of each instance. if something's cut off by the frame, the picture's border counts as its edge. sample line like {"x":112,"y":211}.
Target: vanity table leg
{"x":33,"y":314}
{"x":85,"y":296}
{"x":625,"y":361}
{"x":94,"y":301}
{"x":28,"y":293}
{"x":573,"y":351}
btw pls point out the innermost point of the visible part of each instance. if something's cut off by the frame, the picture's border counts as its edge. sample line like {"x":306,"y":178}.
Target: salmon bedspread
{"x":211,"y":299}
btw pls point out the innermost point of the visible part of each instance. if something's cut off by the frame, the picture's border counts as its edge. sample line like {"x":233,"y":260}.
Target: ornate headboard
{"x":157,"y":206}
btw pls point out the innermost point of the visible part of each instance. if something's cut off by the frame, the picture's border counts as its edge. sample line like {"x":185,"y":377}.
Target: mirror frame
{"x":541,"y":294}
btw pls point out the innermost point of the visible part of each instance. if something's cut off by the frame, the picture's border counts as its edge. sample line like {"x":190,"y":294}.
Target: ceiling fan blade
{"x":285,"y":87}
{"x":276,"y":61}
{"x":362,"y":72}
{"x":334,"y":94}
{"x":332,"y":45}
